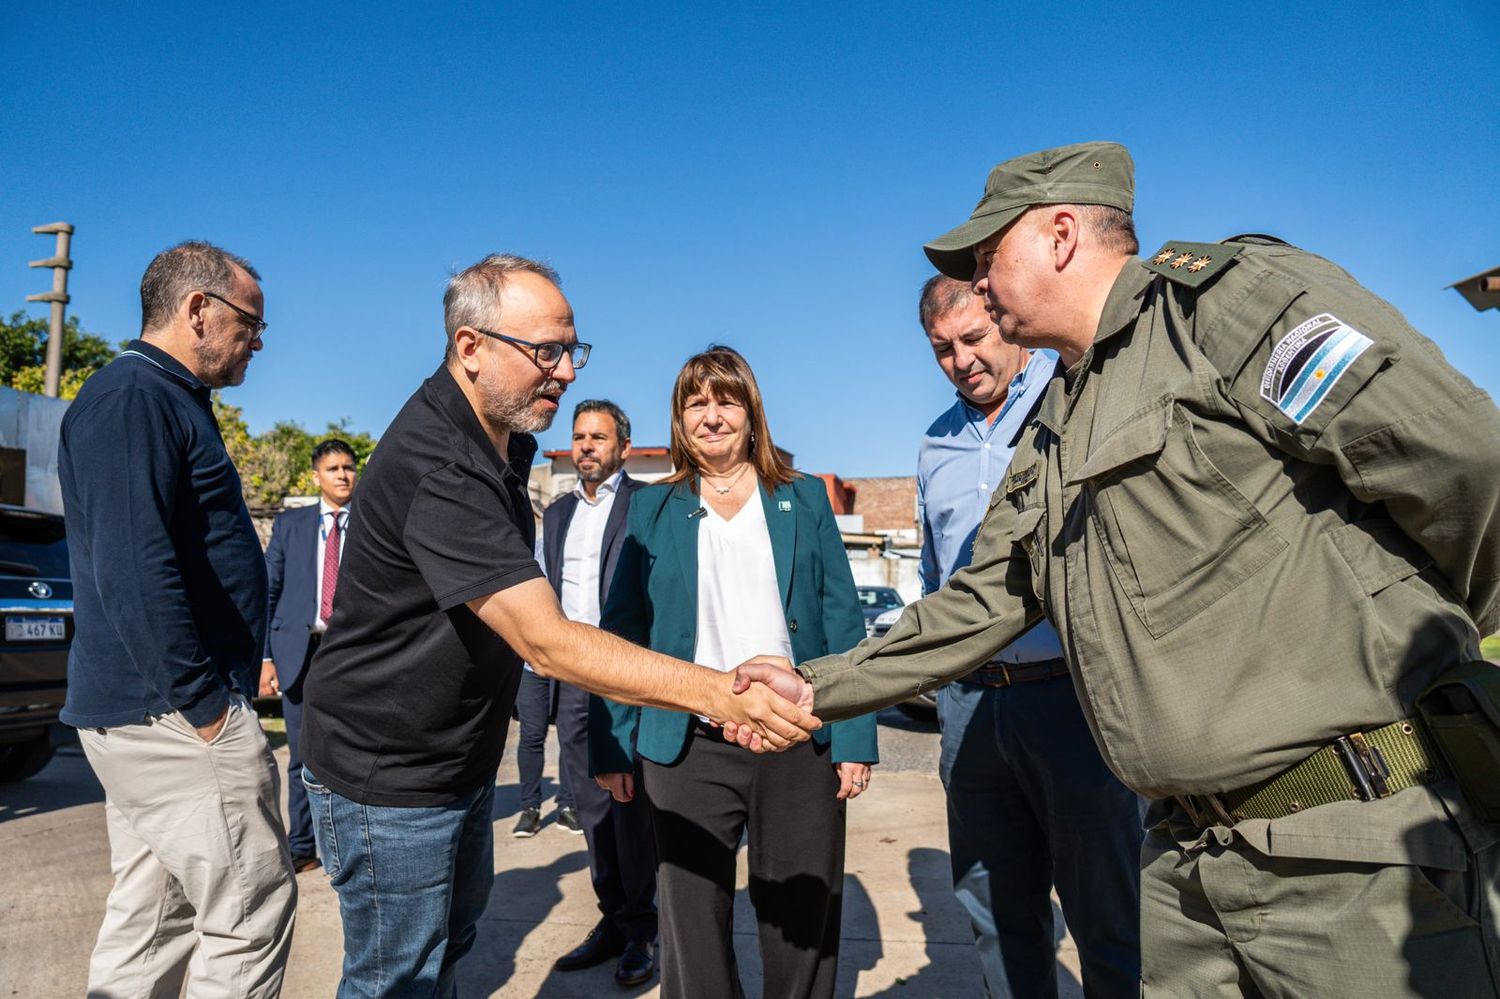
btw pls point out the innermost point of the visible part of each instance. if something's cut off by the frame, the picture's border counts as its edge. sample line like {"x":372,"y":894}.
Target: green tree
{"x":23,"y":354}
{"x":278,"y":463}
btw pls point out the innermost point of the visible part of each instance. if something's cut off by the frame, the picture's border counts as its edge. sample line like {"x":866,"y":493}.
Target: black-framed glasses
{"x":257,"y":324}
{"x":546,"y":355}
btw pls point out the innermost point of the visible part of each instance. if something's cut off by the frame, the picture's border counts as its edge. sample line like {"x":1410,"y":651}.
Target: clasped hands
{"x":768,"y":684}
{"x":766,"y":708}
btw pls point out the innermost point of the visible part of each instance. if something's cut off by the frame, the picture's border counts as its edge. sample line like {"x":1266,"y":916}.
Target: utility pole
{"x":1482,"y":290}
{"x":58,"y":296}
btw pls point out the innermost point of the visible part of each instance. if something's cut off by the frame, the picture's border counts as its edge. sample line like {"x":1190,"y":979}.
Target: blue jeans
{"x":1032,"y":805}
{"x":412,"y":884}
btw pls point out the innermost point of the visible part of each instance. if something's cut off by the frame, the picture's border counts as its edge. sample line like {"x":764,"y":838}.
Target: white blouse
{"x":739,"y":603}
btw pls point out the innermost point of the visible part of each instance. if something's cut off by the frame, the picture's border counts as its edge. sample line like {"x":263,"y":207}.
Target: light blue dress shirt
{"x":962,"y":460}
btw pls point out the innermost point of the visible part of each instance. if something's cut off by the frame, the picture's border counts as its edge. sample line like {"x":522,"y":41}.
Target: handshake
{"x":771,"y":707}
{"x":762,"y":705}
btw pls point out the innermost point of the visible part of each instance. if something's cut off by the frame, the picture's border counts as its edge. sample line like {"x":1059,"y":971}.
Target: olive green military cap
{"x":1089,"y":173}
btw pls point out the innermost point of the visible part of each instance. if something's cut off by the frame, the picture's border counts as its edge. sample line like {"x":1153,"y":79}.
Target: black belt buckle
{"x":1366,"y":765}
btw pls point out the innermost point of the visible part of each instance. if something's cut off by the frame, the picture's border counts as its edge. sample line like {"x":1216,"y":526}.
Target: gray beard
{"x":516,"y":415}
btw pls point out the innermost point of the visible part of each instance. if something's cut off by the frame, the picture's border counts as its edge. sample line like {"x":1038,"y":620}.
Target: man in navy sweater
{"x":170,"y":612}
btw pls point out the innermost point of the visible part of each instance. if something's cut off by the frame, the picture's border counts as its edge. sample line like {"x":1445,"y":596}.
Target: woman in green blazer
{"x":733,"y":556}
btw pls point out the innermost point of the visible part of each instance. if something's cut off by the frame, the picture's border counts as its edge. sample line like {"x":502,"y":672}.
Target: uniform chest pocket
{"x":1177,"y":534}
{"x":1030,"y":536}
{"x":1022,"y":490}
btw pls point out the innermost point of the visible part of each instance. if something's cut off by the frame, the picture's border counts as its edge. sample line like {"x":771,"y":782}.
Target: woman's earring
{"x":752,"y":442}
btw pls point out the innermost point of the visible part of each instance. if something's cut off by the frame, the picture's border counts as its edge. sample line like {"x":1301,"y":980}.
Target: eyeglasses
{"x":546,"y":355}
{"x":257,"y":324}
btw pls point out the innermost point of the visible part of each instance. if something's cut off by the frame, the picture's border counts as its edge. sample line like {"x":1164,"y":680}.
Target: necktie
{"x":330,"y":567}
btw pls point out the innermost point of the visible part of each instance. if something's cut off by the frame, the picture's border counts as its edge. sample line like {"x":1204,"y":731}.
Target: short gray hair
{"x":622,"y":422}
{"x":179,"y":271}
{"x":473,"y":295}
{"x":941,"y":295}
{"x":1111,"y":227}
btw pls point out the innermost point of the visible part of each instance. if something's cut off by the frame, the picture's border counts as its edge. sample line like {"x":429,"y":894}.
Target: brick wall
{"x":888,"y":504}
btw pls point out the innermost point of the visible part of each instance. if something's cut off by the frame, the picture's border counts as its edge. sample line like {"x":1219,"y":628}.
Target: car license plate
{"x":35,"y":629}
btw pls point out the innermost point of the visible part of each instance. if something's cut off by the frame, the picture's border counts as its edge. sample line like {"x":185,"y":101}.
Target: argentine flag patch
{"x":1308,"y":362}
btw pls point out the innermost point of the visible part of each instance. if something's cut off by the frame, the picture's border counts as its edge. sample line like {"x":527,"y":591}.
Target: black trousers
{"x":536,"y":704}
{"x":785,"y":802}
{"x":622,"y":852}
{"x":299,"y":833}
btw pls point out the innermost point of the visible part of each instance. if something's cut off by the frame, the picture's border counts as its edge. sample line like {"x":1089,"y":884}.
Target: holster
{"x":1461,"y":709}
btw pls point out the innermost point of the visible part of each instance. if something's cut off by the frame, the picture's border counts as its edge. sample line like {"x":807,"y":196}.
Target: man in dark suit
{"x":302,"y":563}
{"x":581,"y":537}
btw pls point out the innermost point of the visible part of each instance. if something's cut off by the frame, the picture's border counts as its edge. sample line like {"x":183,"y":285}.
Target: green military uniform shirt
{"x":1262,"y":512}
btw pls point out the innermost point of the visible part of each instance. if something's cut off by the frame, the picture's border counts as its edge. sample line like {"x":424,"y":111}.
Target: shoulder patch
{"x":1308,"y":362}
{"x":1191,"y":264}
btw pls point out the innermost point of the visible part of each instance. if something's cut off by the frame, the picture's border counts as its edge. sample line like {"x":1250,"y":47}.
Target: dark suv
{"x":36,"y":603}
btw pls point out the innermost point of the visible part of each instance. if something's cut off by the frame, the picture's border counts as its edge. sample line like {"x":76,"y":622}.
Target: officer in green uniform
{"x":1263,"y":513}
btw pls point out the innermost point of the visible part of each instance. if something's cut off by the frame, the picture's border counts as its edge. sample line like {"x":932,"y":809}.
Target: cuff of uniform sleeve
{"x":207,"y":708}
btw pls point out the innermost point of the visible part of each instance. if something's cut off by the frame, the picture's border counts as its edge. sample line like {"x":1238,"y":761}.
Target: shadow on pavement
{"x":927,"y":869}
{"x":65,"y":782}
{"x":521,"y":899}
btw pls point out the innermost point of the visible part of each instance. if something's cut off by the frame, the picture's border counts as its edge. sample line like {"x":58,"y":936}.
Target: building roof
{"x":644,"y":452}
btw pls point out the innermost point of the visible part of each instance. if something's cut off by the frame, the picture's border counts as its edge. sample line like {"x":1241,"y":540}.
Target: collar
{"x":325,"y":508}
{"x":443,"y":390}
{"x":166,"y":362}
{"x":1126,"y":297}
{"x":1038,"y":368}
{"x":609,"y":485}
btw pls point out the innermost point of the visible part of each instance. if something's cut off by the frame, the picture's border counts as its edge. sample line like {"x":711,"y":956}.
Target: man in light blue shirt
{"x":1030,"y":802}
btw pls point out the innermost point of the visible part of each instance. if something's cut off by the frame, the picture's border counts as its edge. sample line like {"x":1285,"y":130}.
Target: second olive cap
{"x":1089,"y":173}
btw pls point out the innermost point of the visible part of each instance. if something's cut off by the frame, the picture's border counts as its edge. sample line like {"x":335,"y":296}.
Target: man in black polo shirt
{"x":440,"y":598}
{"x":169,"y":593}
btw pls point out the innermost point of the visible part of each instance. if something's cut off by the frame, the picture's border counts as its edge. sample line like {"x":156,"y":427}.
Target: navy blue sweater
{"x":169,"y":585}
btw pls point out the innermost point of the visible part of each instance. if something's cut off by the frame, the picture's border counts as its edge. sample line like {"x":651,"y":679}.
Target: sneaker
{"x":568,"y":819}
{"x":528,"y":824}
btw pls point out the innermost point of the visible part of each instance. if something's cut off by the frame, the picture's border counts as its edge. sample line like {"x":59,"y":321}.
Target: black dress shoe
{"x":599,"y":946}
{"x":636,"y":963}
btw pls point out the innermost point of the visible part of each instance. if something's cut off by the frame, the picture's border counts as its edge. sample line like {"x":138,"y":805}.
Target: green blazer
{"x":653,"y":601}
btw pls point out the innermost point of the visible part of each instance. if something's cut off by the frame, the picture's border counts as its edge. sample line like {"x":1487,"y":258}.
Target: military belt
{"x":1006,"y":674}
{"x":1360,"y":766}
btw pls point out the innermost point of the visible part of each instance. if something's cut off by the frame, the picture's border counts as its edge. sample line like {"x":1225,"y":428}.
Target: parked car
{"x":36,"y":602}
{"x":883,"y":606}
{"x":876,"y":600}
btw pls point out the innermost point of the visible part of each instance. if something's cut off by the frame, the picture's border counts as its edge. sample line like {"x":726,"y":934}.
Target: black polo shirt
{"x":409,"y":695}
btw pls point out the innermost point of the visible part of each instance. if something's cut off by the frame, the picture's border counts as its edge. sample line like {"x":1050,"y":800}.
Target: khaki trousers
{"x":203,"y":878}
{"x":1229,"y":921}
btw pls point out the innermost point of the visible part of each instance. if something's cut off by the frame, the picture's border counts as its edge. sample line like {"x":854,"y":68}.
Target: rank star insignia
{"x":1199,"y":264}
{"x":1181,"y":260}
{"x":1163,"y":256}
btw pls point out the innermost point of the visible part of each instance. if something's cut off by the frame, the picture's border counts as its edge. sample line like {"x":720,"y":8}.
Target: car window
{"x":879,"y":596}
{"x":32,"y":545}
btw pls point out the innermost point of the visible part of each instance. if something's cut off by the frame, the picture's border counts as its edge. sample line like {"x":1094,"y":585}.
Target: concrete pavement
{"x":903,"y":934}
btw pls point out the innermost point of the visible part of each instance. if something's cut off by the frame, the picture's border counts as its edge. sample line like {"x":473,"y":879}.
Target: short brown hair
{"x":941,"y":295}
{"x":722,"y":372}
{"x":179,"y":271}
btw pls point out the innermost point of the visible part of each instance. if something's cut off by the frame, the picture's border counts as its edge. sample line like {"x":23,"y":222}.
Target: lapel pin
{"x":785,"y":506}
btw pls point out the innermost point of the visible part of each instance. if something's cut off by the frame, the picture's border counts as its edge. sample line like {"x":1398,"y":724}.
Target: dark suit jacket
{"x":559,"y":515}
{"x":654,"y":602}
{"x":292,"y":567}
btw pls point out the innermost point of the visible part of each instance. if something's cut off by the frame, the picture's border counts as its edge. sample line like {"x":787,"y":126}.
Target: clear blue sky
{"x":761,"y":177}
